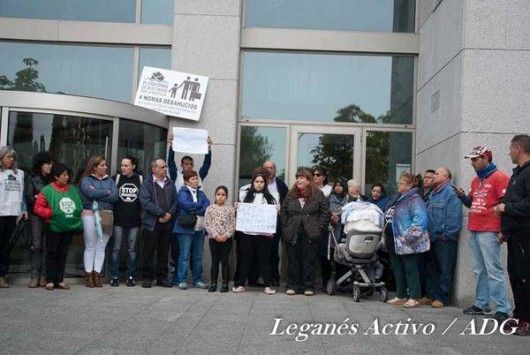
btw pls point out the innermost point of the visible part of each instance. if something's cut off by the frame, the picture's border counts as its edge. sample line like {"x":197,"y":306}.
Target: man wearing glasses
{"x":158,"y":200}
{"x":487,"y":190}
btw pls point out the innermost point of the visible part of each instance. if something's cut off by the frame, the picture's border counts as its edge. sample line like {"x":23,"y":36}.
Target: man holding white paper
{"x":191,"y":141}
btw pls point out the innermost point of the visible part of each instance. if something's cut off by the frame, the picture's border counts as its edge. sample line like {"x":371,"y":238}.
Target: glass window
{"x":259,"y":144}
{"x":71,"y":140}
{"x":97,"y":71}
{"x":388,"y":154}
{"x":74,"y":10}
{"x":154,"y":57}
{"x":142,"y":141}
{"x":338,"y":15}
{"x":334,"y":152}
{"x":327,"y":87}
{"x":157,"y":11}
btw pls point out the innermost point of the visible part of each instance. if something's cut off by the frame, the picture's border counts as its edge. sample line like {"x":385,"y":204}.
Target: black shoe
{"x":146,"y":283}
{"x":500,"y":316}
{"x":130,"y":282}
{"x":115,"y":282}
{"x":213,"y":287}
{"x":164,"y":283}
{"x":224,"y":288}
{"x":475,"y":311}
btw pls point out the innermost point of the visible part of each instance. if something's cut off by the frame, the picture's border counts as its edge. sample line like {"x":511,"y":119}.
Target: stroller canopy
{"x":362,"y":216}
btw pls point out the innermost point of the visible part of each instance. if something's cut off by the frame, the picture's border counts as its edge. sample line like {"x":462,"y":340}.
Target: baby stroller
{"x":357,"y":249}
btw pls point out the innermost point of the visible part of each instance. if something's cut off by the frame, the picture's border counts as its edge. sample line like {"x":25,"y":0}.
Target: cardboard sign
{"x":171,"y":92}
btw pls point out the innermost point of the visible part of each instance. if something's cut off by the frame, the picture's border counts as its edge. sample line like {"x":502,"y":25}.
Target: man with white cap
{"x":487,"y":190}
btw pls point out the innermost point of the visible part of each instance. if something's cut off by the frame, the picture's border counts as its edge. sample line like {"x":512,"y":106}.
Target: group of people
{"x":423,"y":226}
{"x":423,"y":223}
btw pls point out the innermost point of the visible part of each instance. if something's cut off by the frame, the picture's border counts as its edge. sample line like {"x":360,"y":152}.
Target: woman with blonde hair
{"x":99,"y":193}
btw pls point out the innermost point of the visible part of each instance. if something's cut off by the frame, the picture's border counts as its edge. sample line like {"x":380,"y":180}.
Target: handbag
{"x":187,"y":220}
{"x":21,"y":236}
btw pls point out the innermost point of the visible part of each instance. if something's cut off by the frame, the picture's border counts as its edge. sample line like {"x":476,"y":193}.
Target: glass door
{"x":337,"y":149}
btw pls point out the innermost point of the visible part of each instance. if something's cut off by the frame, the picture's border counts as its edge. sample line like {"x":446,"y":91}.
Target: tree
{"x":255,"y":149}
{"x":25,"y":79}
{"x":335,"y":152}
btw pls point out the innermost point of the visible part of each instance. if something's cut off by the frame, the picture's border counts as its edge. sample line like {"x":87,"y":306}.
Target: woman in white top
{"x":258,"y":245}
{"x":12,"y":204}
{"x":320,"y":178}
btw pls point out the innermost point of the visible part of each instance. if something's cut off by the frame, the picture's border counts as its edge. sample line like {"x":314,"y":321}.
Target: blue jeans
{"x":189,"y":244}
{"x":491,"y":282}
{"x":131,"y":234}
{"x":440,"y":269}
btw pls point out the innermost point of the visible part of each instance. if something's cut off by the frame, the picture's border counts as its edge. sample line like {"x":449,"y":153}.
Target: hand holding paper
{"x":190,"y":141}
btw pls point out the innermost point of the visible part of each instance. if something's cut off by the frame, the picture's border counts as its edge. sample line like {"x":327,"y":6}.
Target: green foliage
{"x":255,"y":149}
{"x":25,"y":79}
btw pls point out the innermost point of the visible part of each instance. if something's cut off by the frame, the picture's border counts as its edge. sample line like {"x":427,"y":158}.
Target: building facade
{"x":368,"y":89}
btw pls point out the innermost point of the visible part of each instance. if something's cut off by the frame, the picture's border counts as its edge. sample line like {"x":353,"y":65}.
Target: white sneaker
{"x":270,"y":291}
{"x":238,"y":289}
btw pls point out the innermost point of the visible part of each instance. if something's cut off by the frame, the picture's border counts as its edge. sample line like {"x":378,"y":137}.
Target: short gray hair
{"x":8,"y":151}
{"x":354,"y":183}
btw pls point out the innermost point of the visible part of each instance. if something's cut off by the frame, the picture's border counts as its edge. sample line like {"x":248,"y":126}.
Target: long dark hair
{"x":251,"y":193}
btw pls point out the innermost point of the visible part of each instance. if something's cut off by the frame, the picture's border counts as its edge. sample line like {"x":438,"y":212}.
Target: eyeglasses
{"x":317,"y":174}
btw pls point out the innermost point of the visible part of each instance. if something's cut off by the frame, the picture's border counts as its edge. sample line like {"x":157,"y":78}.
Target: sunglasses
{"x":317,"y":174}
{"x":474,"y":159}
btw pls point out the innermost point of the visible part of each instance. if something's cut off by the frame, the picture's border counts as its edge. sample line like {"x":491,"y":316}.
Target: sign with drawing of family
{"x":256,"y":218}
{"x":171,"y":92}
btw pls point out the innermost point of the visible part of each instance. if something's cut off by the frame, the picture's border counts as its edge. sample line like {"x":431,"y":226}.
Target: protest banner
{"x":171,"y":92}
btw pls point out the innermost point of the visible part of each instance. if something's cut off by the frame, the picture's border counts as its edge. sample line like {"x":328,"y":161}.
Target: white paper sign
{"x":171,"y":92}
{"x":190,"y":141}
{"x":252,"y":218}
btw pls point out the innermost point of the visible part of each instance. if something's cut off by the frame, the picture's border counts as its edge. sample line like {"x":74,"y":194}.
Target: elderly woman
{"x":12,"y":204}
{"x":406,"y":237}
{"x":304,"y":214}
{"x":354,"y":192}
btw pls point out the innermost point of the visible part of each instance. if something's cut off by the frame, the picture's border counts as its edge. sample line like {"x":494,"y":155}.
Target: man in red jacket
{"x":487,"y":190}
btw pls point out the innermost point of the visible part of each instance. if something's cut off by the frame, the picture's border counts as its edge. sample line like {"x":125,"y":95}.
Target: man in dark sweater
{"x":159,"y":204}
{"x":515,"y":227}
{"x":126,"y":219}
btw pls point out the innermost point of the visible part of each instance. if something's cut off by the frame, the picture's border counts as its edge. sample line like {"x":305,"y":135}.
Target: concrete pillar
{"x":206,"y":41}
{"x":472,"y":89}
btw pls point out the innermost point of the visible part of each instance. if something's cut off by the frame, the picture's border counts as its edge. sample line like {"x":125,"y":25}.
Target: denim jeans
{"x":491,"y":282}
{"x":440,"y":269}
{"x":189,"y":245}
{"x":131,"y":234}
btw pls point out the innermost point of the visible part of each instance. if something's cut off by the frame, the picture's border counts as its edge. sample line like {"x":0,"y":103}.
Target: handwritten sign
{"x":252,"y":218}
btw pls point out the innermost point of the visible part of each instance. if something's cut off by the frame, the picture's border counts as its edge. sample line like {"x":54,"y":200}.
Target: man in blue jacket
{"x":158,"y":200}
{"x":445,"y":222}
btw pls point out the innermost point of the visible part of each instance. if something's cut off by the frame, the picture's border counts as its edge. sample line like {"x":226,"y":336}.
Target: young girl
{"x":220,"y":225}
{"x":256,"y":245}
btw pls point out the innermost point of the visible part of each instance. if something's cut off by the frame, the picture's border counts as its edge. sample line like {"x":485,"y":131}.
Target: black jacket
{"x":516,"y":216}
{"x":33,"y":186}
{"x":313,"y":217}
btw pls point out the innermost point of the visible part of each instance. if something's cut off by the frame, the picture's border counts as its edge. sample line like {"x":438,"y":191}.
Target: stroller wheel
{"x":384,"y":294}
{"x":331,"y":287}
{"x":356,"y":293}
